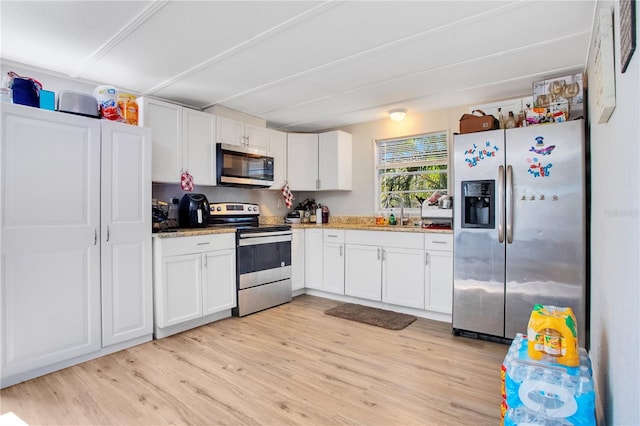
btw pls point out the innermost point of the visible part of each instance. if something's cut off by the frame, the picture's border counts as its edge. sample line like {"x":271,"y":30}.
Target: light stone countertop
{"x":190,"y":232}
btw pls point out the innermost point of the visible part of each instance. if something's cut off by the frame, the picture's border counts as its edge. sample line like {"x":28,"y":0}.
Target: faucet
{"x":402,"y":220}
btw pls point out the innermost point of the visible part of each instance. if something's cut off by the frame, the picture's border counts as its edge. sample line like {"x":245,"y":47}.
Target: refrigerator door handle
{"x":509,"y":206}
{"x":501,"y":204}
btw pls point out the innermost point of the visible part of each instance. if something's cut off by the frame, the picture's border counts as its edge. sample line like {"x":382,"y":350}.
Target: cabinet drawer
{"x":333,"y":235}
{"x":195,"y":244}
{"x":442,"y":242}
{"x":386,"y":239}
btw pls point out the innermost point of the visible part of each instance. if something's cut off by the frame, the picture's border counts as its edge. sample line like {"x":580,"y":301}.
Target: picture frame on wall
{"x":627,"y":32}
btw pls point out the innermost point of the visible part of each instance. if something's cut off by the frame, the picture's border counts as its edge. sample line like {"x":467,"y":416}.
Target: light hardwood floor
{"x":287,"y":365}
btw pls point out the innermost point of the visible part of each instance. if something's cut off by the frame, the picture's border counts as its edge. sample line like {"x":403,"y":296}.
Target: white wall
{"x":615,"y":236}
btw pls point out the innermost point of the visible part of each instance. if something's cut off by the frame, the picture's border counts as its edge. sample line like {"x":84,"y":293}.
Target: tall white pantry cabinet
{"x":75,"y":240}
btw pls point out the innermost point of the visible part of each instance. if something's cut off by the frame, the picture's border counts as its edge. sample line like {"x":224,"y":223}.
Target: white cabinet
{"x":297,"y":259}
{"x":334,"y":161}
{"x":333,"y":261}
{"x":235,"y":132}
{"x":278,"y":150}
{"x":183,"y":140}
{"x":51,"y":254}
{"x":194,"y":277}
{"x":72,"y":281}
{"x":127,"y":308}
{"x":319,"y":161}
{"x":302,"y":161}
{"x":403,"y":276}
{"x":385,"y":266}
{"x":198,"y":146}
{"x":439,"y":272}
{"x":313,"y":258}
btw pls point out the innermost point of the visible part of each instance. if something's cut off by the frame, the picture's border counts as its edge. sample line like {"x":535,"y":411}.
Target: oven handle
{"x":253,"y":241}
{"x":263,"y":234}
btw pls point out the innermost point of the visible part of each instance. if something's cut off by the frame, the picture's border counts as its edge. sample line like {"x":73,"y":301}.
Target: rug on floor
{"x":373,"y":316}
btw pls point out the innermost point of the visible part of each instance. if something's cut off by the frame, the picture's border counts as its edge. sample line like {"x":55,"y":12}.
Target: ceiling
{"x":305,"y":65}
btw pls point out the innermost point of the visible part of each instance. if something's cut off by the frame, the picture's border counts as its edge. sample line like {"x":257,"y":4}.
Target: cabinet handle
{"x":204,"y":262}
{"x":378,"y":253}
{"x":204,"y":244}
{"x":107,"y":233}
{"x":341,"y":251}
{"x":383,"y":254}
{"x":317,"y":183}
{"x":95,"y":236}
{"x":439,"y":242}
{"x":426,"y":258}
{"x":332,"y":236}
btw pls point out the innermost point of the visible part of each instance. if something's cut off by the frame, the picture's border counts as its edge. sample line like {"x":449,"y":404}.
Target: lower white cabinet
{"x":194,"y":278}
{"x":385,"y":266}
{"x":297,"y":259}
{"x":333,"y":261}
{"x":313,"y":258}
{"x":438,"y":272}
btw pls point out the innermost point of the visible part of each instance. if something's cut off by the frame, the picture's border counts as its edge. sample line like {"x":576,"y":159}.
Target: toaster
{"x":78,"y":103}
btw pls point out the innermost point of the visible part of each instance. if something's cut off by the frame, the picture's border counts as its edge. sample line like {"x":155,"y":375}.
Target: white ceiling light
{"x":397,"y":114}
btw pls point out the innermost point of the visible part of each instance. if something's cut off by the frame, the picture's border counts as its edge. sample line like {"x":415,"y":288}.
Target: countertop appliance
{"x":519,"y":227}
{"x":434,"y":217}
{"x":263,"y":257}
{"x":243,"y":166}
{"x":193,"y":211}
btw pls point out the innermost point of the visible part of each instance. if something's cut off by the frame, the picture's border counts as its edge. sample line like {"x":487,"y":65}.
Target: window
{"x":412,"y":167}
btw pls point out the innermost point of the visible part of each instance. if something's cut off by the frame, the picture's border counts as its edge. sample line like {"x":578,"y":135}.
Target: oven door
{"x":263,"y":257}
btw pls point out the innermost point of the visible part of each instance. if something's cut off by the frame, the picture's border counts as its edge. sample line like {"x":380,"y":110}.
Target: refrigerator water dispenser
{"x":478,"y":204}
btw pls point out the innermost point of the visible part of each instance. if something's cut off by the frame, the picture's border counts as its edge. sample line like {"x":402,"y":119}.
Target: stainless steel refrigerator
{"x":519,"y":227}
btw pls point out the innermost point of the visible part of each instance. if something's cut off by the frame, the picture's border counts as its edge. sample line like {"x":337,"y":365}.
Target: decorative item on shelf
{"x":398,"y":114}
{"x":559,"y":99}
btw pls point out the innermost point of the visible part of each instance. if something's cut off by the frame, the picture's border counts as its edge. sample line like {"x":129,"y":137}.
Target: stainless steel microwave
{"x":242,"y":166}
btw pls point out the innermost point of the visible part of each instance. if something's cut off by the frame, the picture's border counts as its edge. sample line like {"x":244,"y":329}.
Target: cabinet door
{"x":165,"y":121}
{"x":229,"y":131}
{"x":403,"y":277}
{"x":127,"y":302}
{"x":256,"y":137}
{"x":297,"y":259}
{"x":333,"y":268}
{"x":363,"y":271}
{"x":302,"y":161}
{"x":179,"y":289}
{"x":219,"y":280}
{"x":50,"y":265}
{"x":313,"y":258}
{"x":278,"y":150}
{"x":334,"y":161}
{"x":198,"y":147}
{"x":439,"y":281}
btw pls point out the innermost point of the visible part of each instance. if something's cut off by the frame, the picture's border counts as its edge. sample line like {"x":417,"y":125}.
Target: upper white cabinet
{"x":278,"y":150}
{"x":127,"y":302}
{"x":302,"y":161}
{"x":334,"y":161}
{"x":183,"y":140}
{"x":319,"y":161}
{"x":240,"y":133}
{"x":77,"y":277}
{"x":198,"y":146}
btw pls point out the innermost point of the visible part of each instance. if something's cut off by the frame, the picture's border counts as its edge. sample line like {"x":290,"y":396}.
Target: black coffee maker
{"x":193,"y":211}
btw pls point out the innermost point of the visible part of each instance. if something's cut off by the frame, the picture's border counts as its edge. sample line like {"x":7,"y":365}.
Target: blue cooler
{"x":25,"y":92}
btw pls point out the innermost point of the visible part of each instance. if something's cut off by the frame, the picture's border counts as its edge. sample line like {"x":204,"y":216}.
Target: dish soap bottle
{"x":392,"y":219}
{"x":319,"y":215}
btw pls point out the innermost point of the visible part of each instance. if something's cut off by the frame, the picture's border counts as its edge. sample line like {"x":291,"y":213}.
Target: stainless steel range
{"x":263,"y":257}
